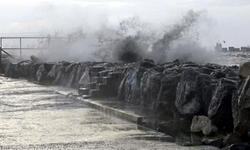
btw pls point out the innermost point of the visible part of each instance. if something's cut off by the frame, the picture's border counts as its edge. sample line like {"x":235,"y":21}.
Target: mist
{"x":132,"y":40}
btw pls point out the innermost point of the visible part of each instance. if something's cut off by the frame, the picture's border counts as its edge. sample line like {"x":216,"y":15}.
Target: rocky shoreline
{"x":210,"y":99}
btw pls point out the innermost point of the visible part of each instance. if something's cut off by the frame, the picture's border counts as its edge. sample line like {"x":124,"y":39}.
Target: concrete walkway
{"x":111,"y":106}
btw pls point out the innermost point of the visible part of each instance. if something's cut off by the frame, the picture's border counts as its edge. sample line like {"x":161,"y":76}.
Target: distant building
{"x":218,"y":47}
{"x":224,"y":49}
{"x":231,"y":49}
{"x":245,"y":49}
{"x":236,"y":49}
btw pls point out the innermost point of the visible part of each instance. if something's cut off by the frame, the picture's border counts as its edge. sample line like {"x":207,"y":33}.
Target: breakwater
{"x":211,"y":99}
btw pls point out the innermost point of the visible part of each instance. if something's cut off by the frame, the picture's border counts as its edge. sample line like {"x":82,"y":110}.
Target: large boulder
{"x":187,"y":102}
{"x":132,"y":85}
{"x":241,"y":107}
{"x":150,"y":87}
{"x":220,"y":109}
{"x":244,"y":70}
{"x":165,"y":106}
{"x":204,"y":91}
{"x":59,"y":80}
{"x":204,"y":124}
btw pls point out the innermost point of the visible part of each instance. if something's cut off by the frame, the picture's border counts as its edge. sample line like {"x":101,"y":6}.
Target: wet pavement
{"x":36,"y":117}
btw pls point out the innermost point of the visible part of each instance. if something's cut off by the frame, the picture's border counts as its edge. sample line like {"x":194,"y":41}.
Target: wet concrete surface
{"x":35,"y":117}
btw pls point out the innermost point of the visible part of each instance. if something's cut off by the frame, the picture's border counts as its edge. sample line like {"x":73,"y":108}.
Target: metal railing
{"x":21,"y":47}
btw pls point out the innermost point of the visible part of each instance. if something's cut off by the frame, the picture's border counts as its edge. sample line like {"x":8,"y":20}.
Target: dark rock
{"x":165,"y":106}
{"x":146,"y":63}
{"x":132,"y":85}
{"x":218,"y":74}
{"x":41,"y":75}
{"x":244,"y":146}
{"x":206,"y":70}
{"x":241,"y":107}
{"x":204,"y":91}
{"x":150,"y":87}
{"x":213,"y":142}
{"x":187,"y":102}
{"x":57,"y":73}
{"x":172,"y":127}
{"x":220,"y":110}
{"x":159,"y":68}
{"x":33,"y":70}
{"x":213,"y":66}
{"x":231,"y":139}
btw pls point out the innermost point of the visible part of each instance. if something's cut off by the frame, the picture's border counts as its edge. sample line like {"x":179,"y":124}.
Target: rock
{"x":132,"y":85}
{"x":241,"y":107}
{"x":146,"y":63}
{"x":244,"y":70}
{"x":41,"y":75}
{"x":150,"y":87}
{"x":35,"y":59}
{"x":204,"y":124}
{"x":187,"y":102}
{"x":33,"y":70}
{"x":165,"y":106}
{"x":85,"y":78}
{"x":220,"y":109}
{"x":71,"y":71}
{"x":172,"y":127}
{"x":218,"y":74}
{"x":244,"y":146}
{"x":204,"y":91}
{"x":231,"y":139}
{"x":213,"y":142}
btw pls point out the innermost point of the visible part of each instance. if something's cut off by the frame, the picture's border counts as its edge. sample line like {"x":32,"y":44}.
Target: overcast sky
{"x":229,"y":19}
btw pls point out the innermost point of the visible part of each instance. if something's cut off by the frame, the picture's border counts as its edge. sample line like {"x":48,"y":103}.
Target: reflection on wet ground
{"x":35,"y":117}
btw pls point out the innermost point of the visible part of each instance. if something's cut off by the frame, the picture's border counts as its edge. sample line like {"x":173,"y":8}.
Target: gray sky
{"x":227,"y":20}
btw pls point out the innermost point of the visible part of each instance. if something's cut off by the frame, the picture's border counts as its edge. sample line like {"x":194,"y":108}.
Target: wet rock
{"x":204,"y":91}
{"x":165,"y":106}
{"x":213,"y":142}
{"x":132,"y":85}
{"x":56,"y":74}
{"x":187,"y":102}
{"x":218,"y":74}
{"x":150,"y":87}
{"x":204,"y":124}
{"x":41,"y":75}
{"x":147,"y":63}
{"x":241,"y":107}
{"x":53,"y":71}
{"x":71,"y":71}
{"x":172,"y":127}
{"x":231,"y":139}
{"x":85,"y":78}
{"x":206,"y":70}
{"x":243,"y":146}
{"x":33,"y":70}
{"x":244,"y":70}
{"x":20,"y":69}
{"x":220,"y":110}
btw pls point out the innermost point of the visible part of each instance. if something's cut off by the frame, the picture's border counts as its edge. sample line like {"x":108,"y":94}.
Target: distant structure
{"x":245,"y":49}
{"x":218,"y":48}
